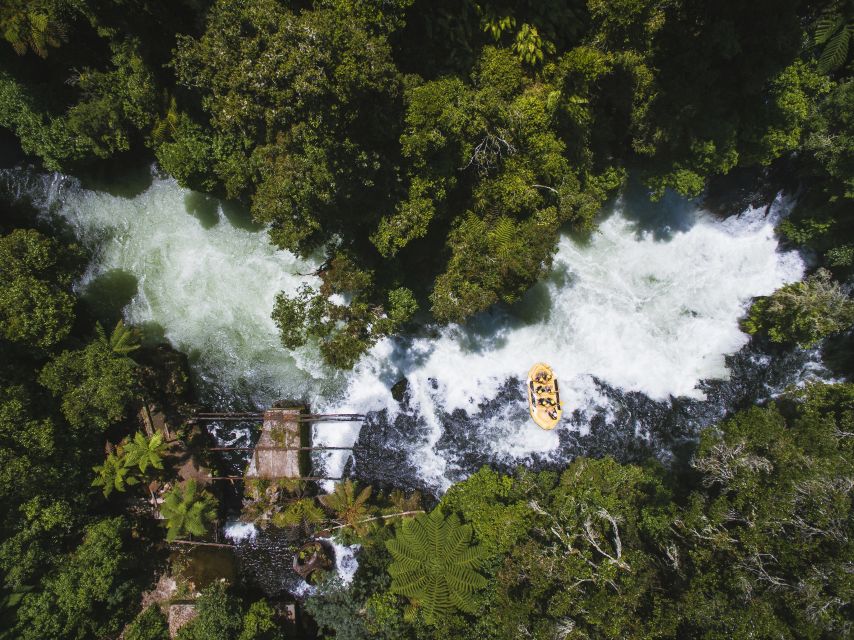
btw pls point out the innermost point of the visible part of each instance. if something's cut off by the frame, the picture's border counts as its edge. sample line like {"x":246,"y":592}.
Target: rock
{"x":398,"y":389}
{"x":179,"y":615}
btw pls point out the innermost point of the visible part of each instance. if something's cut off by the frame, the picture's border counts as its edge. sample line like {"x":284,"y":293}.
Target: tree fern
{"x":113,"y":475}
{"x":145,"y":452}
{"x":350,"y":505}
{"x":25,"y":27}
{"x":833,"y":32}
{"x":299,"y":514}
{"x":435,"y":564}
{"x":503,"y":236}
{"x":399,"y":502}
{"x":124,"y":339}
{"x":166,"y":126}
{"x":187,"y":510}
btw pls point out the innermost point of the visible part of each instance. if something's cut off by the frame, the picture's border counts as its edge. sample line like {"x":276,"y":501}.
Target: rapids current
{"x":639,"y":321}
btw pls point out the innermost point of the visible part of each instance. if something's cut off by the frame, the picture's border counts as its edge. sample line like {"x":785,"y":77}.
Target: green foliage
{"x":88,"y":594}
{"x":36,"y":304}
{"x":115,"y":473}
{"x":259,"y":623}
{"x":143,"y":452}
{"x":769,"y":533}
{"x":802,"y":312}
{"x":701,"y":113}
{"x":833,"y":33}
{"x":40,"y":133}
{"x":95,"y":384}
{"x":219,"y":616}
{"x":116,"y":103}
{"x":187,"y":510}
{"x":42,"y":526}
{"x":343,"y":314}
{"x":435,"y":564}
{"x":33,"y":26}
{"x":123,"y":340}
{"x":303,"y":514}
{"x":223,"y":616}
{"x":151,"y":624}
{"x":350,"y":505}
{"x":530,"y":46}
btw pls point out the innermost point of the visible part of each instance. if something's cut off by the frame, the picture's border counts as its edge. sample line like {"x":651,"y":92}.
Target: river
{"x":639,"y":321}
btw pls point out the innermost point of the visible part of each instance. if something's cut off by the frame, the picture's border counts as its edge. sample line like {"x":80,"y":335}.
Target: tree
{"x":301,"y":514}
{"x":220,"y":616}
{"x":833,"y":32}
{"x":115,"y":473}
{"x":116,"y":105}
{"x":143,"y":452}
{"x":765,"y":544}
{"x":36,"y":304}
{"x":802,"y":312}
{"x":259,"y":623}
{"x":187,"y":510}
{"x":350,"y":505}
{"x":151,"y":624}
{"x":33,"y":26}
{"x":95,"y":383}
{"x":88,"y":595}
{"x":435,"y":564}
{"x":346,"y":330}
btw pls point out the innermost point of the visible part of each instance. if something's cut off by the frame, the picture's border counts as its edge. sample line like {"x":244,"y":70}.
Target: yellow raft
{"x":544,"y":396}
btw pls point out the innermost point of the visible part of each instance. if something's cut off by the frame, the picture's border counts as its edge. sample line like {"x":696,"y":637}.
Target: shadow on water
{"x":109,"y":293}
{"x":124,"y":177}
{"x":238,"y":215}
{"x":152,"y":333}
{"x":10,"y":149}
{"x":203,"y":207}
{"x":671,"y":215}
{"x":206,"y":208}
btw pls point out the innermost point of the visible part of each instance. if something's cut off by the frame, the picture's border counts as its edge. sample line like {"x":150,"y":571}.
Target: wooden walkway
{"x":277,"y":452}
{"x":282,"y":451}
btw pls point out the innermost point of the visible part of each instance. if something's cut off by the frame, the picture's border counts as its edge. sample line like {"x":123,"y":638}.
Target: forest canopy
{"x":428,"y":155}
{"x":452,"y":140}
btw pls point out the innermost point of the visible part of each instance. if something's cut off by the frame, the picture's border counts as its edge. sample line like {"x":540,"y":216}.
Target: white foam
{"x":240,"y":531}
{"x":346,"y":563}
{"x":649,"y":303}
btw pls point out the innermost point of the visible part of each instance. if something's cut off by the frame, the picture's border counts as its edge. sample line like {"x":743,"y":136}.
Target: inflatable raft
{"x":544,"y":396}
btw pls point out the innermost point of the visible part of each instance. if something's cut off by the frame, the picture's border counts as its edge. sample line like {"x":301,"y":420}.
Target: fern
{"x":166,"y":126}
{"x":124,"y":339}
{"x":113,"y":475}
{"x":503,"y":237}
{"x":187,"y":510}
{"x":350,"y":506}
{"x":435,"y":564}
{"x":143,"y":452}
{"x":301,"y":513}
{"x":833,"y":31}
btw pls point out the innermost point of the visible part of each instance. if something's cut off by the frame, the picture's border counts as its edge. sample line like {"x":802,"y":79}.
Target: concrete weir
{"x":277,"y":453}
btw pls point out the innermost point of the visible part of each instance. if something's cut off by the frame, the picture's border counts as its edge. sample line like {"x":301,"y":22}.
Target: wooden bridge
{"x":282,"y":450}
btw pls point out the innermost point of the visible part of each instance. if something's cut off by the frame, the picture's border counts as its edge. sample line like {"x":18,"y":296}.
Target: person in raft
{"x":542,"y":376}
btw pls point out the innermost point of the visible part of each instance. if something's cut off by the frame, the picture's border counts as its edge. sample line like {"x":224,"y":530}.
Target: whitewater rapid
{"x":649,"y":303}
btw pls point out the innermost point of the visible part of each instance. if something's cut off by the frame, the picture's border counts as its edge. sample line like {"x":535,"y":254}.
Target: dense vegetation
{"x":754,"y":541}
{"x":430,"y":151}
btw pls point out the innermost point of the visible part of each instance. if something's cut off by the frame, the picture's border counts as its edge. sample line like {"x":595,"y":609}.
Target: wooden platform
{"x":281,"y":428}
